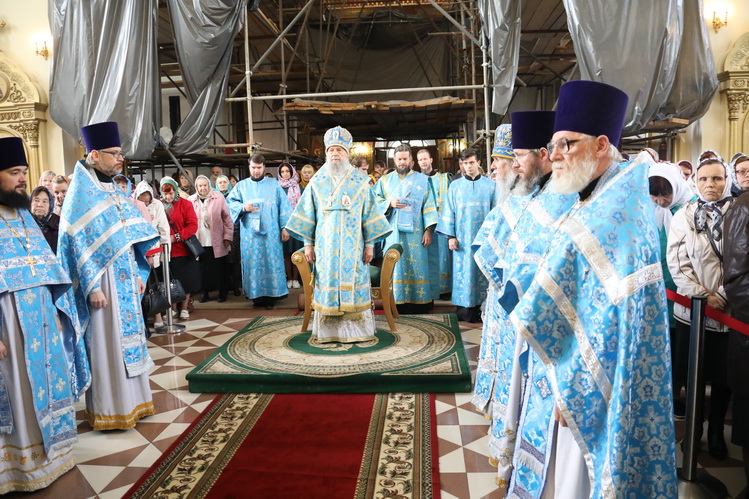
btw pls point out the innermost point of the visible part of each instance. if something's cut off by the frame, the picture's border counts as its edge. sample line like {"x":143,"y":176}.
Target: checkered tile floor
{"x":110,"y":462}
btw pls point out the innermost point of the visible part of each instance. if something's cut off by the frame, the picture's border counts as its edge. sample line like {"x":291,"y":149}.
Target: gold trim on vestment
{"x":119,"y":422}
{"x":39,"y":483}
{"x":336,"y":339}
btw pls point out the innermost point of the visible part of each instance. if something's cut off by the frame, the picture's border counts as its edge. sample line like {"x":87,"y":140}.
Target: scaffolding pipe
{"x":247,"y":73}
{"x":485,"y":65}
{"x":357,"y":92}
{"x":279,"y":37}
{"x":456,"y":23}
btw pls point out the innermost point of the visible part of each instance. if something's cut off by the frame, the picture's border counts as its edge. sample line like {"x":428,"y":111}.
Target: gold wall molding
{"x":23,"y":107}
{"x":734,"y":85}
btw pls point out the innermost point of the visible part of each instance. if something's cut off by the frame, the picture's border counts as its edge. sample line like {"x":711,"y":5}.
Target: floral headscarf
{"x":228,"y":185}
{"x":173,"y":183}
{"x":292,"y":185}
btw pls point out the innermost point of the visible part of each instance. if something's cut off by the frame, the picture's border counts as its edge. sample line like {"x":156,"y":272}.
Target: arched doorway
{"x":734,"y":82}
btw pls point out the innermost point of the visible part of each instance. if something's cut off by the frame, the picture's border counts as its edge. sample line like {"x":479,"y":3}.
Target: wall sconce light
{"x":44,"y":51}
{"x":718,"y":22}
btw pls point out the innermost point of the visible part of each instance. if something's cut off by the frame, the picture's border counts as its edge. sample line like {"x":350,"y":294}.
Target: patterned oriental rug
{"x":271,"y":355}
{"x":302,"y":445}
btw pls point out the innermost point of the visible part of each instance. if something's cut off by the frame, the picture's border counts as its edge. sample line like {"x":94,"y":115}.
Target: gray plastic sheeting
{"x":104,"y":68}
{"x":204,"y":33}
{"x":696,"y":80}
{"x":501,"y":24}
{"x":633,"y":45}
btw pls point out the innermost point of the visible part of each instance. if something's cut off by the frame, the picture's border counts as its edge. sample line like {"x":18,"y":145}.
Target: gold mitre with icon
{"x":338,"y":136}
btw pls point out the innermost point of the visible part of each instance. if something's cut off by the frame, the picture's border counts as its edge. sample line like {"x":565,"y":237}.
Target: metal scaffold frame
{"x":468,"y":15}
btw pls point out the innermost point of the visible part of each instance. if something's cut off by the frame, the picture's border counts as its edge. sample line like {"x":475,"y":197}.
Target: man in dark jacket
{"x":736,"y":285}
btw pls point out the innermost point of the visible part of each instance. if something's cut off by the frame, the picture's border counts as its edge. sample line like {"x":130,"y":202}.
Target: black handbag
{"x":194,"y":247}
{"x":191,"y":243}
{"x":176,"y":290}
{"x":154,"y":301}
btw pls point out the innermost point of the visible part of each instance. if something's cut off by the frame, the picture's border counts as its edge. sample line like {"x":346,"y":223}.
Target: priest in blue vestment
{"x":338,"y":220}
{"x":102,"y":244}
{"x":595,"y":314}
{"x":406,"y":200}
{"x":43,"y":362}
{"x":261,"y":207}
{"x":440,"y":256}
{"x":469,"y":200}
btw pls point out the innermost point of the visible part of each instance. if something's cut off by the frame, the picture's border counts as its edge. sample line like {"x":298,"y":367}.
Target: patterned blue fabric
{"x":411,"y":274}
{"x":496,"y":349}
{"x":100,"y":228}
{"x":339,"y":221}
{"x":527,"y":445}
{"x":55,"y":358}
{"x":440,"y":256}
{"x":467,"y":204}
{"x":595,"y":313}
{"x":263,"y":272}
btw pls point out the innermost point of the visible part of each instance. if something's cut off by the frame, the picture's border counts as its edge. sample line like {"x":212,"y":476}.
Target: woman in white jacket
{"x":144,"y":193}
{"x":694,"y":256}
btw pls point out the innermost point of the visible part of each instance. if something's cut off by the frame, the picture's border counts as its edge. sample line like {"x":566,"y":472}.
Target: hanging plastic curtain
{"x":501,"y":24}
{"x":633,"y":45}
{"x":696,"y":79}
{"x":204,"y":33}
{"x":104,"y":68}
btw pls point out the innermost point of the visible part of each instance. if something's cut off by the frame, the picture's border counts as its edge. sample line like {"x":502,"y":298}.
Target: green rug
{"x":270,"y":355}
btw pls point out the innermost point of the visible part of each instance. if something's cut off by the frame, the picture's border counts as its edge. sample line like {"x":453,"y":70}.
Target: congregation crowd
{"x":561,"y":247}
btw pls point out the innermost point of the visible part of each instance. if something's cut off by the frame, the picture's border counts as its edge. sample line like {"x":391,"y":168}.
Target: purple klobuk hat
{"x":532,"y":129}
{"x":592,"y":108}
{"x":101,"y":135}
{"x":12,"y":153}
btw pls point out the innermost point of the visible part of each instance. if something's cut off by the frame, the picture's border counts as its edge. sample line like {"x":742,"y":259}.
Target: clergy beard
{"x":338,"y":167}
{"x":523,"y":187}
{"x":566,"y":181}
{"x":14,"y":199}
{"x":402,"y":171}
{"x":504,"y":185}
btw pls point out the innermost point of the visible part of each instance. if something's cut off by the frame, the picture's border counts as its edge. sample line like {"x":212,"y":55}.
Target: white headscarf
{"x":726,"y":189}
{"x":681,"y":191}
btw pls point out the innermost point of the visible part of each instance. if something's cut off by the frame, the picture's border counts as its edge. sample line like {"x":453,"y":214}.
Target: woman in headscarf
{"x":144,"y":194}
{"x":695,"y":243}
{"x":183,"y":224}
{"x":222,"y":185}
{"x":186,"y":188}
{"x":215,"y":232}
{"x":289,"y":180}
{"x":42,"y":207}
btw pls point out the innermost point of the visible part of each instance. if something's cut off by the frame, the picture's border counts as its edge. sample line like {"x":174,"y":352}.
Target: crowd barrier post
{"x":694,"y":483}
{"x":169,"y":325}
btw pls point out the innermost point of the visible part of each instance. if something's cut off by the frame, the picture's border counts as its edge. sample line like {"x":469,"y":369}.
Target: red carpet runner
{"x":304,"y":445}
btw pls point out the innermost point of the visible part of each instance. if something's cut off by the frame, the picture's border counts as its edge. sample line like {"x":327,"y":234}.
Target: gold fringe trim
{"x":494,"y":462}
{"x":118,"y":422}
{"x":39,"y":483}
{"x":501,"y":483}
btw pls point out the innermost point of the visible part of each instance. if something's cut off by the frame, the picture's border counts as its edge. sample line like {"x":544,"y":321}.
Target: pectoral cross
{"x":30,"y":260}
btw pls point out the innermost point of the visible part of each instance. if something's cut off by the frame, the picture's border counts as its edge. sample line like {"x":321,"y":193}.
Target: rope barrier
{"x":710,"y":312}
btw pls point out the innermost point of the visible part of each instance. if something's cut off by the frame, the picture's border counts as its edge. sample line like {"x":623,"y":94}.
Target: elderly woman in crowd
{"x":215,"y":232}
{"x":223,"y":186}
{"x":307,"y":172}
{"x":289,"y":180}
{"x":183,"y":224}
{"x":42,"y":206}
{"x":144,"y":194}
{"x":695,"y":244}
